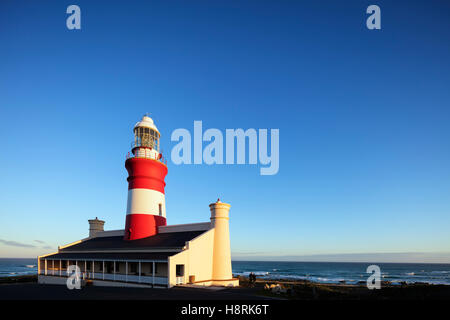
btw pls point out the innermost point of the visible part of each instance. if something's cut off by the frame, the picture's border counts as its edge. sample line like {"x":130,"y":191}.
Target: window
{"x":180,"y":270}
{"x":160,"y":209}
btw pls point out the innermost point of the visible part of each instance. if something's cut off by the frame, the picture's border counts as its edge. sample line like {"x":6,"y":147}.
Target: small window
{"x":160,"y":209}
{"x":180,"y":270}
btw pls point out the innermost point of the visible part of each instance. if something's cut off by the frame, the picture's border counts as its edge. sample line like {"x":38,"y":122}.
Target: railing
{"x":112,"y":277}
{"x":180,"y":280}
{"x":147,"y":154}
{"x":130,"y":278}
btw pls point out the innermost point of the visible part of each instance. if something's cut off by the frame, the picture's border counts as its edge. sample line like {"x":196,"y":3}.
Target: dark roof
{"x":172,"y":240}
{"x":111,"y":256}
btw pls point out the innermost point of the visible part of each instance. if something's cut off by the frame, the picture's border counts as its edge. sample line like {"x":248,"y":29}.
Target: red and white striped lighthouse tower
{"x":146,"y":205}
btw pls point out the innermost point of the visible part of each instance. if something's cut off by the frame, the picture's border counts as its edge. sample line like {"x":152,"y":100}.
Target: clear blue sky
{"x":363,"y":118}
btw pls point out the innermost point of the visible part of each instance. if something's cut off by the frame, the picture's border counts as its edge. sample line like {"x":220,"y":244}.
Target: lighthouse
{"x":146,"y":204}
{"x":147,"y":252}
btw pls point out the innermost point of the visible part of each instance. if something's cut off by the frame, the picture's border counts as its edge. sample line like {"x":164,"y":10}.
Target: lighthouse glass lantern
{"x":146,"y":139}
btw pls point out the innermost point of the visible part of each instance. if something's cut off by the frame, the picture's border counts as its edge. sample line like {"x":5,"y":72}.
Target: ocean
{"x":10,"y":267}
{"x":324,"y":272}
{"x":348,"y":272}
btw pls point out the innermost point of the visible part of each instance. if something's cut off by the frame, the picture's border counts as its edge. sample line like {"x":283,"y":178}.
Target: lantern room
{"x":146,"y":139}
{"x":146,"y":134}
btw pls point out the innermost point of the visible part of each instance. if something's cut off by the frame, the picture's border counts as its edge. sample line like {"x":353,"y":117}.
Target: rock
{"x":277,"y":288}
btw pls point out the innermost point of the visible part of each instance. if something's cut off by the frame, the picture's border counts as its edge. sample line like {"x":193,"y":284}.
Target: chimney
{"x":95,"y":226}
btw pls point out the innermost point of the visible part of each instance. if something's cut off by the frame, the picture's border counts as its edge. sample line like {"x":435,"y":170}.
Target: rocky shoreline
{"x":308,"y":290}
{"x":18,"y":279}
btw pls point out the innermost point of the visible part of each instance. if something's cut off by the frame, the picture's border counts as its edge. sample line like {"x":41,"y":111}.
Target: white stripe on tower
{"x":146,"y":201}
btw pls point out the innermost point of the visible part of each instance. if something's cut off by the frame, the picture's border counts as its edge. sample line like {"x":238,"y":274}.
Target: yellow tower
{"x":221,"y":273}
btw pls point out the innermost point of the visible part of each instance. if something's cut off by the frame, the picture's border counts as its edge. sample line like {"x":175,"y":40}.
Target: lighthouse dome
{"x":146,"y":122}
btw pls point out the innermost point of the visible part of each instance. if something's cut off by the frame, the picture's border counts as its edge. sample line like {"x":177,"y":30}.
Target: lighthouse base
{"x":215,"y":283}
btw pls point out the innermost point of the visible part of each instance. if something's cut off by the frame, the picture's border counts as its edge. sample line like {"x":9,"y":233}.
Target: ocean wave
{"x":30,"y":265}
{"x":256,"y":273}
{"x":310,"y":278}
{"x":288,"y":276}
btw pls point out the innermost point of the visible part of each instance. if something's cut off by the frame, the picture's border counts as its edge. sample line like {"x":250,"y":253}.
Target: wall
{"x":180,"y":258}
{"x":197,"y":258}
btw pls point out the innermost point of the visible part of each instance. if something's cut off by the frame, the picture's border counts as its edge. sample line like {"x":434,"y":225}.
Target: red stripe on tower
{"x":146,"y":174}
{"x":146,"y":208}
